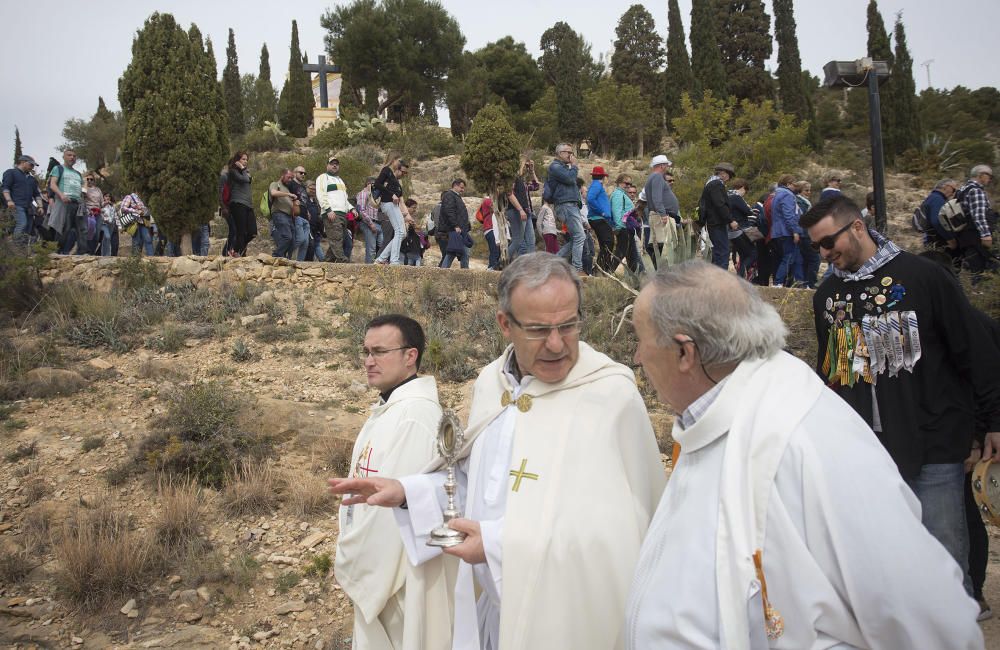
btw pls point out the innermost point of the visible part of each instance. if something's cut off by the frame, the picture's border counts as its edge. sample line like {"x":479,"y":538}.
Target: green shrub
{"x":286,"y":581}
{"x":200,"y":434}
{"x":136,"y":273}
{"x":260,"y":140}
{"x":331,"y":137}
{"x":422,"y":139}
{"x":318,"y":565}
{"x":20,"y":266}
{"x":241,"y":351}
{"x":170,"y":338}
{"x":243,"y":570}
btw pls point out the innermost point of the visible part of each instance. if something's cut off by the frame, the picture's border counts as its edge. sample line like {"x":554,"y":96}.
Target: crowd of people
{"x":597,"y":226}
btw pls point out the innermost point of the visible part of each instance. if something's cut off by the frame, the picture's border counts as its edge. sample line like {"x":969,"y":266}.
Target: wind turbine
{"x":927,"y":64}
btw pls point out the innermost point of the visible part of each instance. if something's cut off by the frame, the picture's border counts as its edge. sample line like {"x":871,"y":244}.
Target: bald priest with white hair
{"x":561,"y":474}
{"x":785,"y":523}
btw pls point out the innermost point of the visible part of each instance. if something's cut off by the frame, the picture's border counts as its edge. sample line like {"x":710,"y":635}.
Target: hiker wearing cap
{"x":599,"y":216}
{"x":715,"y":214}
{"x":565,"y":196}
{"x":20,"y":189}
{"x":661,"y":203}
{"x":333,"y":206}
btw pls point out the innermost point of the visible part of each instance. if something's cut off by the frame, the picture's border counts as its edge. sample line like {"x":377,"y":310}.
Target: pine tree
{"x":18,"y":151}
{"x":564,"y":57}
{"x":792,"y":94}
{"x":638,"y":53}
{"x":294,"y":114}
{"x":231,"y":88}
{"x":175,"y":135}
{"x":879,"y":49}
{"x":745,"y":46}
{"x":706,"y":59}
{"x":906,"y":118}
{"x":103,"y":113}
{"x":678,"y":78}
{"x":264,"y":99}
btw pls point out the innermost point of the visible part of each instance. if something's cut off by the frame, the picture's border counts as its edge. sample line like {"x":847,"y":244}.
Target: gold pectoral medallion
{"x":523,"y":402}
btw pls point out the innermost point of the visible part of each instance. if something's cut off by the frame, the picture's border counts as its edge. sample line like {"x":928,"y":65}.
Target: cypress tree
{"x":879,"y":49}
{"x":677,"y":78}
{"x":307,"y":89}
{"x":293,"y":113}
{"x":906,"y":118}
{"x":564,"y":55}
{"x":231,"y":88}
{"x":638,"y":53}
{"x":18,"y":151}
{"x":745,"y":45}
{"x":103,"y":113}
{"x":264,"y":100}
{"x":792,"y":93}
{"x":706,"y":59}
{"x":175,"y":135}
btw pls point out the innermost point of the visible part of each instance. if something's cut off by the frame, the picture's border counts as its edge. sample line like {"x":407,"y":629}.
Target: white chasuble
{"x":781,"y":464}
{"x":564,"y":479}
{"x":397,"y":606}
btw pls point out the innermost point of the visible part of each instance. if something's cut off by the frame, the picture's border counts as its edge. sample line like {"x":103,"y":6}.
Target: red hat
{"x":598,"y":172}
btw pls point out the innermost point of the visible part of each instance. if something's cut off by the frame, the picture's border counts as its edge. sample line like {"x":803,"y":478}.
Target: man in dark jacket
{"x":714,"y":209}
{"x":935,"y":236}
{"x":901,"y":344}
{"x":454,"y":219}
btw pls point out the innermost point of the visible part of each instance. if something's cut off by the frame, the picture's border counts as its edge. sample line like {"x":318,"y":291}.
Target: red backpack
{"x":768,"y":202}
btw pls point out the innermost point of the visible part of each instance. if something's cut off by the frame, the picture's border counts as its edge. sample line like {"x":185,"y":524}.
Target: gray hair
{"x":981,"y":169}
{"x":945,"y":183}
{"x":722,"y":312}
{"x":561,"y":145}
{"x":533,"y":270}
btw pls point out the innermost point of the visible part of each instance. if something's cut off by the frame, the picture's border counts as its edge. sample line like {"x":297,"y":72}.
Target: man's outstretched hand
{"x":387,"y":492}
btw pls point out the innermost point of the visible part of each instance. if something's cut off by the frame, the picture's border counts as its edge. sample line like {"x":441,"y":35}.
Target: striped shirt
{"x":976,"y":205}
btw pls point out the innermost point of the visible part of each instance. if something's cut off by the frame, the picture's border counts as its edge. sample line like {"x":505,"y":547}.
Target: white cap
{"x":642,"y":194}
{"x":660,"y":160}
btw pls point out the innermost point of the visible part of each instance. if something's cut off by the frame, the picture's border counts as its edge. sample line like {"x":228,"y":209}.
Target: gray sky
{"x":73,"y":52}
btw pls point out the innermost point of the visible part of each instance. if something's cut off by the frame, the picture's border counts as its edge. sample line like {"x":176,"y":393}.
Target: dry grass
{"x":252,"y":490}
{"x":179,"y":520}
{"x":334,"y":454}
{"x":307,"y":494}
{"x":101,"y":558}
{"x":35,"y":490}
{"x":37,"y":525}
{"x":15,"y":565}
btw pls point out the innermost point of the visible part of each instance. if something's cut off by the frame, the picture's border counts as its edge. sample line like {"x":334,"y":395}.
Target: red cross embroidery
{"x":367,"y":467}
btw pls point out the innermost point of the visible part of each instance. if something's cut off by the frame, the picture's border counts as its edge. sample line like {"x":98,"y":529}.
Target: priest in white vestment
{"x":397,"y":606}
{"x":560,"y":475}
{"x":785,"y":524}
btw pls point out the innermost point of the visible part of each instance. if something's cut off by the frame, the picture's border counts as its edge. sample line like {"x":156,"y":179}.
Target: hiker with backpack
{"x":65,"y":186}
{"x":925,"y":217}
{"x":975,"y":238}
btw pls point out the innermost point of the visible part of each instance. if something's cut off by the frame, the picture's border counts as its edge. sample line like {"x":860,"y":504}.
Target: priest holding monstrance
{"x":560,"y":474}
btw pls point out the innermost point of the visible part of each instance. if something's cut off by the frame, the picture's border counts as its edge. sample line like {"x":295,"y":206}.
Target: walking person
{"x":518,"y":212}
{"x":454,"y":224}
{"x":282,"y":205}
{"x":388,"y":190}
{"x":369,"y":226}
{"x":621,"y":204}
{"x":566,"y":201}
{"x":547,"y":226}
{"x":109,"y":227}
{"x":599,"y":217}
{"x":20,"y":190}
{"x":66,"y":190}
{"x":739,"y":241}
{"x":484,"y":215}
{"x":241,"y":204}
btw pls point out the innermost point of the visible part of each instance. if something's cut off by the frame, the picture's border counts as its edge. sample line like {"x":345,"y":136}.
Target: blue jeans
{"x":282,"y":234}
{"x":391,"y":252}
{"x":301,"y":238}
{"x":491,"y":241}
{"x":941,"y":491}
{"x":570,"y":214}
{"x":720,"y":245}
{"x":373,"y":239}
{"x":522,"y":235}
{"x":22,"y":225}
{"x":200,"y":240}
{"x":317,"y":243}
{"x":106,"y":239}
{"x":450,"y":257}
{"x":790,"y":268}
{"x":414,"y":259}
{"x":142,"y":240}
{"x":810,"y":260}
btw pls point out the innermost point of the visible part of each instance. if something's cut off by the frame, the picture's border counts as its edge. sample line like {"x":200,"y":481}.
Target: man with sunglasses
{"x":899,"y":342}
{"x":560,"y":472}
{"x":396,"y":604}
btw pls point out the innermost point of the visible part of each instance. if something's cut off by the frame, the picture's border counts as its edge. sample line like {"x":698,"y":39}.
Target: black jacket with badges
{"x":932,"y":361}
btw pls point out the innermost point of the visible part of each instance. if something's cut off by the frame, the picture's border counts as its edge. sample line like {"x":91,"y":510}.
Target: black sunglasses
{"x":830,"y":241}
